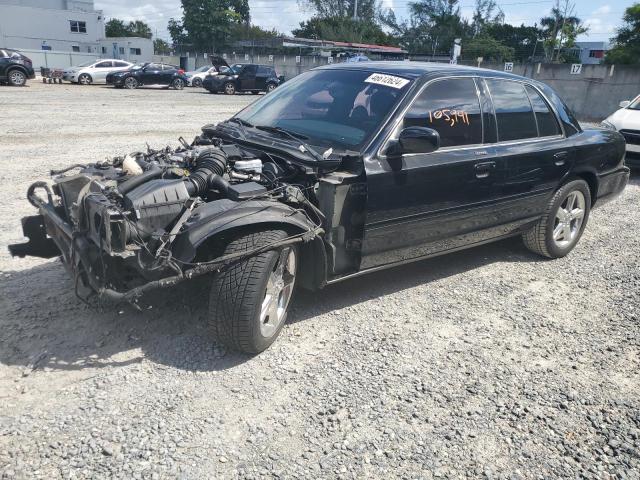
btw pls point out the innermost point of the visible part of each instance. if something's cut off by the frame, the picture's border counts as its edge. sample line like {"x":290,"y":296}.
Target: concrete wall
{"x":53,"y":59}
{"x":26,"y":27}
{"x":124,"y":48}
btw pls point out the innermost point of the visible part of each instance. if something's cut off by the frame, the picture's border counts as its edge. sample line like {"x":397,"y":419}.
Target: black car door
{"x":421,"y":204}
{"x":535,"y":154}
{"x":247,"y":77}
{"x":167,"y":75}
{"x":151,"y":74}
{"x":262,"y":75}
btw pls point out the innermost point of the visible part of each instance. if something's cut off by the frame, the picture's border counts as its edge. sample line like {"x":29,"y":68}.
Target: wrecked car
{"x":344,"y":170}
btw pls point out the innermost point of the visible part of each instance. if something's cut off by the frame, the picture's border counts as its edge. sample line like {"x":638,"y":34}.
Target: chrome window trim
{"x":394,"y":131}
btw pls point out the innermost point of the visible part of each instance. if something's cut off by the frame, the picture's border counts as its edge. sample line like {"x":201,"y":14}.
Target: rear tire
{"x":178,"y":84}
{"x":248,"y":301}
{"x":196,"y":82}
{"x":564,"y":220}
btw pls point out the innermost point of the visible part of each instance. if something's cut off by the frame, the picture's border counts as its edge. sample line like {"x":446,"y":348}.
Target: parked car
{"x":344,"y":170}
{"x":94,"y":71}
{"x":244,"y":78}
{"x":15,"y":68}
{"x":149,"y":74}
{"x":218,"y":64}
{"x":627,"y":122}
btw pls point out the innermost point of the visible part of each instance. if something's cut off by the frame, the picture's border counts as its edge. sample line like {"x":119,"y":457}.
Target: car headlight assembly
{"x":608,"y":125}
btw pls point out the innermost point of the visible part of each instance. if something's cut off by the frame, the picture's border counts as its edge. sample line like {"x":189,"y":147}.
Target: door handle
{"x":484,"y":168}
{"x":560,"y":158}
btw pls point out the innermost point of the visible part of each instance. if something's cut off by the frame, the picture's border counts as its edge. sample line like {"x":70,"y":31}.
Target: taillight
{"x":181,"y":71}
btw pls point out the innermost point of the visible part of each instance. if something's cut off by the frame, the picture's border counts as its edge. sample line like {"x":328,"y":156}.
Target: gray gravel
{"x":489,"y":363}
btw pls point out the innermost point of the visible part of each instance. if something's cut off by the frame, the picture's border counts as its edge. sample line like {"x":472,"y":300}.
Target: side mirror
{"x":624,"y":104}
{"x":415,"y":140}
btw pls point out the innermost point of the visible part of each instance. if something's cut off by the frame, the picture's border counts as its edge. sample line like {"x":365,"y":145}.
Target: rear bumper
{"x":612,"y":184}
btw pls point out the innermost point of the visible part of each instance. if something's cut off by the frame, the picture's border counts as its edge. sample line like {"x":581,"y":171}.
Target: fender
{"x":213,"y":218}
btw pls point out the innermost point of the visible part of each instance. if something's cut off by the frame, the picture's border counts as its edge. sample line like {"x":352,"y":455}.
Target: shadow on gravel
{"x":45,"y":326}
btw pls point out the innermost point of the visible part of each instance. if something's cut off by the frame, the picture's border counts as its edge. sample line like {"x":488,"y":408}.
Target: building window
{"x":121,"y":50}
{"x":75,"y":48}
{"x":77,"y":26}
{"x":596,"y":53}
{"x":135,"y":51}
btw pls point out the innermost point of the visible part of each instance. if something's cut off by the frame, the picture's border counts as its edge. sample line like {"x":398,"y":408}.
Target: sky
{"x":602,"y":18}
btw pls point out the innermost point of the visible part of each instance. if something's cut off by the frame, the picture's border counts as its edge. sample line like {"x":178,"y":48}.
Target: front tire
{"x":130,"y":83}
{"x":229,"y":88}
{"x":564,"y":220}
{"x":271,"y":87}
{"x":249,"y":300}
{"x":17,"y":78}
{"x":85,"y":79}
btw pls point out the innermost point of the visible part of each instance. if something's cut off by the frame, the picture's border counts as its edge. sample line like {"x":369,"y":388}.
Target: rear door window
{"x":546,"y":119}
{"x":514,"y":113}
{"x":103,"y":65}
{"x":452,"y":108}
{"x":121,"y":64}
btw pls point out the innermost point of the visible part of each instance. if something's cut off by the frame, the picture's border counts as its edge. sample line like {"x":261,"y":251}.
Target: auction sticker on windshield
{"x":388,"y":80}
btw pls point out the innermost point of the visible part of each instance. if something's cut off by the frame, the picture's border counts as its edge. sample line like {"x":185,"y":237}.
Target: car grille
{"x":631,"y":136}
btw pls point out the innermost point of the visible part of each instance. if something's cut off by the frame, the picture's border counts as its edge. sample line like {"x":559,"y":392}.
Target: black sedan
{"x":344,"y":170}
{"x":149,"y":74}
{"x":244,"y":78}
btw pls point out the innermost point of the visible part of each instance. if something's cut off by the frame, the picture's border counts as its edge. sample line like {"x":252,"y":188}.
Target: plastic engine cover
{"x":156,"y":204}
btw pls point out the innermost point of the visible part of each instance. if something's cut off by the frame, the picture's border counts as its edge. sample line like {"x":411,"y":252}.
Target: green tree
{"x":626,"y":48}
{"x":560,"y":30}
{"x":523,"y":39}
{"x":488,"y":48}
{"x":208,"y":24}
{"x":160,"y":47}
{"x":367,"y":9}
{"x":343,"y":29}
{"x":117,"y":28}
{"x":486,"y":13}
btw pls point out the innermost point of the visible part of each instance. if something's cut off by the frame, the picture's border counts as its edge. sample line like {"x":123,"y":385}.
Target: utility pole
{"x":355,"y":10}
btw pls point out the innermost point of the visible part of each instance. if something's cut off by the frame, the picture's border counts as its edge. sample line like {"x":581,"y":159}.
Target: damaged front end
{"x":156,"y":218}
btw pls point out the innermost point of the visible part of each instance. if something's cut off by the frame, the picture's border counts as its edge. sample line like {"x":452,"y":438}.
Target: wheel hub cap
{"x":569,"y":218}
{"x":278,"y":293}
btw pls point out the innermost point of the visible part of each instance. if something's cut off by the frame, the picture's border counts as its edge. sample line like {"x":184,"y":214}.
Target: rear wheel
{"x":85,"y":79}
{"x":196,"y":82}
{"x":130,"y":83}
{"x":229,"y":88}
{"x":563,"y":222}
{"x":17,"y":78}
{"x":178,"y":84}
{"x":248,"y":302}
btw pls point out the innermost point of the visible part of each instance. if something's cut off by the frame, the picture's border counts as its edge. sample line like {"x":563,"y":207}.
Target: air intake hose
{"x":210,"y":164}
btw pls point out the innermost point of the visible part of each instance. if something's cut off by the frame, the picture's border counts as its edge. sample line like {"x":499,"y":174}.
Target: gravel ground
{"x":486,"y":363}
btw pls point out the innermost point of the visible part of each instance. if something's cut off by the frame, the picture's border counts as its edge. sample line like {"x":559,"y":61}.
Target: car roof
{"x":417,"y":69}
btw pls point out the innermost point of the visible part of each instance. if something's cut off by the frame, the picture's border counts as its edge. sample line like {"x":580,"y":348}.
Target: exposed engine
{"x":125,"y":214}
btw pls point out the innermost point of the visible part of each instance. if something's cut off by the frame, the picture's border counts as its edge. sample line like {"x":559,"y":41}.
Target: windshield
{"x":234,"y":69}
{"x":329,"y":107}
{"x":137,"y":66}
{"x":635,"y":103}
{"x":203,"y":69}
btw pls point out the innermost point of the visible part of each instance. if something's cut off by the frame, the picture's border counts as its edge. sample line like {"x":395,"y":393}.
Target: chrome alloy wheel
{"x":569,"y":218}
{"x":17,"y":78}
{"x":130,"y":82}
{"x":278,"y":293}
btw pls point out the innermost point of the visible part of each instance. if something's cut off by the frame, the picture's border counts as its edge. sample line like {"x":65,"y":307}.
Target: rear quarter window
{"x":545,"y":118}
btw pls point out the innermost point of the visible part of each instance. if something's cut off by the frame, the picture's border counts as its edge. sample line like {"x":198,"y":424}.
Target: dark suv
{"x":15,"y":68}
{"x":244,"y":78}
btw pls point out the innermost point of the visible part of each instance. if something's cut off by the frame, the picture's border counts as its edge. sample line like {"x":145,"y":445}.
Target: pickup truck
{"x":344,"y":170}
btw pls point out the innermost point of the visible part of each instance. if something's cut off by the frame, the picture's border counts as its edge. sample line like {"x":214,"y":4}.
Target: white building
{"x":65,"y":26}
